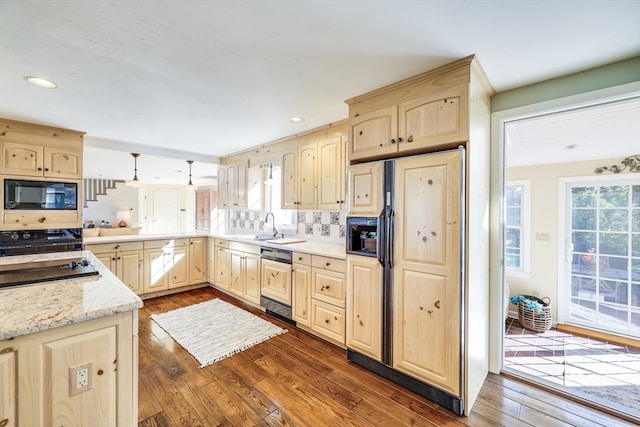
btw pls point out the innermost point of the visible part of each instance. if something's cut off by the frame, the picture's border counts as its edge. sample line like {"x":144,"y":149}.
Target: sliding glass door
{"x":602,"y":266}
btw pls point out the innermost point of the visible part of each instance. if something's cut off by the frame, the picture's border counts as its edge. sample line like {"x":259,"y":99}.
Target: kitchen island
{"x":68,"y":348}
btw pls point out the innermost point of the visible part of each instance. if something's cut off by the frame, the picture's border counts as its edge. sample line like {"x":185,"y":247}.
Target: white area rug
{"x":214,"y":329}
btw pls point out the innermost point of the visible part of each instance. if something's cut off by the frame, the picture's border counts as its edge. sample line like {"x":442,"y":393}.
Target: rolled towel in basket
{"x":529,"y":304}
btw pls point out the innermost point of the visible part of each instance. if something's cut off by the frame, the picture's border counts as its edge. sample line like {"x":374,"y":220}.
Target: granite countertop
{"x":40,"y":306}
{"x":314,"y":247}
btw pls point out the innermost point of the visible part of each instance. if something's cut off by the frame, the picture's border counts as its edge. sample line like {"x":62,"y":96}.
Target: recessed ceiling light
{"x":296,"y":119}
{"x":571,"y":146}
{"x":37,"y":81}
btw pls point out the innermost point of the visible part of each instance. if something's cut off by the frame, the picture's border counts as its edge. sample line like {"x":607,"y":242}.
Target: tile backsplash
{"x":312,"y":224}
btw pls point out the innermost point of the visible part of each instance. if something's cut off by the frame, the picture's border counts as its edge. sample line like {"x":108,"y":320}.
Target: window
{"x":517,"y":195}
{"x":285,"y":219}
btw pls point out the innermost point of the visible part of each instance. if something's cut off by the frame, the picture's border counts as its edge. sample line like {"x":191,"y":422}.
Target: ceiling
{"x":201,"y":79}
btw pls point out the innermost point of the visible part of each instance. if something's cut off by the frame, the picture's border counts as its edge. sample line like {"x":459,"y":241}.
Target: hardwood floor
{"x":295,"y":379}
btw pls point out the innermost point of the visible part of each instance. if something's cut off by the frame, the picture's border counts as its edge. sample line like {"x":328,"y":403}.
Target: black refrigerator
{"x":420,"y":247}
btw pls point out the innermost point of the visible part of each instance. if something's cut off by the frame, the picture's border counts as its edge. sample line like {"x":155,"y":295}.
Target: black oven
{"x":27,"y":242}
{"x":364,"y":235}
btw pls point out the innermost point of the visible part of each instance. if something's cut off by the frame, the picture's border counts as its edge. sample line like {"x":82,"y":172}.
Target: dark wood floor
{"x":296,"y":379}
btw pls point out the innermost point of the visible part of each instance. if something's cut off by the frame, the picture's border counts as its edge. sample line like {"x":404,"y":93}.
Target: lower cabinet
{"x":301,"y":289}
{"x":197,"y":260}
{"x":211,"y":260}
{"x":222,"y":264}
{"x":42,"y":369}
{"x":166,"y":264}
{"x":244,"y":271}
{"x":125,"y":260}
{"x":364,"y":305}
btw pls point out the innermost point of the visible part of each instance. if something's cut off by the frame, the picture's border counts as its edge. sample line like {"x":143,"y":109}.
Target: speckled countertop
{"x":314,"y":247}
{"x":37,"y":307}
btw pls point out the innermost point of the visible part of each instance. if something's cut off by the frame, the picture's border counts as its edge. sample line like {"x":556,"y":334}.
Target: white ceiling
{"x":195,"y":79}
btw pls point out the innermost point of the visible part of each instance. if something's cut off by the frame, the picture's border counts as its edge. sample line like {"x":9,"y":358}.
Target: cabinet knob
{"x":4,"y":422}
{"x":40,"y":169}
{"x":327,"y":264}
{"x":326,"y":321}
{"x":41,"y":220}
{"x":399,"y":139}
{"x":393,"y":141}
{"x":410,"y":139}
{"x":46,"y":169}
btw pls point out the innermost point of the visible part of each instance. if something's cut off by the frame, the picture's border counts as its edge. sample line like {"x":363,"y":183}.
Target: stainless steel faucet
{"x":273,"y":218}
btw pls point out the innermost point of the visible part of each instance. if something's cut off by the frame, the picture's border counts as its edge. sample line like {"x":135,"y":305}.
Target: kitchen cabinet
{"x":203,"y":210}
{"x":301,"y":288}
{"x":41,"y":161}
{"x":244,"y":271}
{"x":364,"y":305}
{"x":8,"y":387}
{"x":232,"y":186}
{"x":166,"y":264}
{"x":307,"y":178}
{"x":276,"y":281}
{"x":289,"y":173}
{"x":211,"y":260}
{"x":365,"y":189}
{"x":223,"y":276}
{"x":331,"y":173}
{"x":125,"y":260}
{"x":35,"y":220}
{"x":197,"y":260}
{"x":328,"y":298}
{"x":38,"y":368}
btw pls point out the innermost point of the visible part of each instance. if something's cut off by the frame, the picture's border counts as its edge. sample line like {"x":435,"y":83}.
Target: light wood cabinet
{"x":223,"y":187}
{"x":427,"y":288}
{"x":223,"y":277}
{"x":166,"y":264}
{"x":373,"y":134}
{"x":328,"y":321}
{"x":365,"y":189}
{"x":331,"y":173}
{"x":41,"y":160}
{"x":276,"y":281}
{"x":125,"y":260}
{"x":8,"y":386}
{"x":232,"y":186}
{"x":203,"y":210}
{"x":364,"y":306}
{"x":328,"y":288}
{"x":36,"y":370}
{"x":301,"y":289}
{"x":307,"y":177}
{"x":197,"y":260}
{"x":289,"y":180}
{"x":211,"y":260}
{"x":244,"y":271}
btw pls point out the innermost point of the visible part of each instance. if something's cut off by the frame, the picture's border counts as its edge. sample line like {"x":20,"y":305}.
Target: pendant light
{"x":134,"y":182}
{"x":190,"y":184}
{"x":269,"y":180}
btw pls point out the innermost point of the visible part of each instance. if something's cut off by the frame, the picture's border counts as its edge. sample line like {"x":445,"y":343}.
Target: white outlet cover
{"x":80,"y":378}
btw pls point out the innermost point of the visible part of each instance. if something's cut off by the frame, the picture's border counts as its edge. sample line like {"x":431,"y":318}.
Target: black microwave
{"x":40,"y":195}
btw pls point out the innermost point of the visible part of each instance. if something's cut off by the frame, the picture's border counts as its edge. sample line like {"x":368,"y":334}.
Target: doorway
{"x":533,"y":257}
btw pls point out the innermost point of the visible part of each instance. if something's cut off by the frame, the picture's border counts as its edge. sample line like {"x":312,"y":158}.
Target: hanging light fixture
{"x":134,"y":182}
{"x":269,"y":180}
{"x":190,"y":184}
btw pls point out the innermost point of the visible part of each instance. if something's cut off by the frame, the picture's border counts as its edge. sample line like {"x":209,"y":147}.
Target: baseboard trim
{"x":602,"y":336}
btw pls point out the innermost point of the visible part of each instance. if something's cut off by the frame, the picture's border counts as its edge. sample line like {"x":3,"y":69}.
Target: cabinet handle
{"x":399,"y":139}
{"x":117,"y":247}
{"x":326,"y":321}
{"x":46,"y":169}
{"x":43,"y":219}
{"x":40,"y":169}
{"x":4,"y":422}
{"x":299,"y":258}
{"x":327,"y":264}
{"x":410,"y":139}
{"x":393,"y":141}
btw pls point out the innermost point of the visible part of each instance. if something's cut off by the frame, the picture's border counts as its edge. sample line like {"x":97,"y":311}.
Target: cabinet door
{"x":289,"y":187}
{"x":223,"y":187}
{"x":236,"y":273}
{"x":130,"y":271}
{"x":62,"y":163}
{"x":211,"y":260}
{"x":108,"y":259}
{"x":328,"y":286}
{"x":156,"y":275}
{"x":96,"y":406}
{"x":427,"y":288}
{"x":307,"y":177}
{"x":373,"y":134}
{"x":301,"y":298}
{"x":241,"y":185}
{"x":255,"y":187}
{"x":178,"y":267}
{"x":433,"y":120}
{"x":364,"y":306}
{"x":328,"y":320}
{"x":203,"y":209}
{"x":331,"y":173}
{"x":21,"y":159}
{"x":365,"y":189}
{"x":8,"y":387}
{"x":26,"y":220}
{"x":252,"y":277}
{"x":222,"y":268}
{"x":197,"y":261}
{"x":276,"y":281}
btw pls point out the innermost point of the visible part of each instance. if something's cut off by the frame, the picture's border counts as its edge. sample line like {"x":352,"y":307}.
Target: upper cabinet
{"x":365,"y":189}
{"x":331,"y":172}
{"x":40,"y":151}
{"x":232,"y":185}
{"x":424,"y":113}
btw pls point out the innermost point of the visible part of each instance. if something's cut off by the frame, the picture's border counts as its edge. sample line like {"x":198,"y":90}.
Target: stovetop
{"x":40,"y":236}
{"x":45,"y":273}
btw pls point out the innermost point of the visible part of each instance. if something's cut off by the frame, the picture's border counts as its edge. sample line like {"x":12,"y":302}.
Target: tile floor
{"x":570,"y":361}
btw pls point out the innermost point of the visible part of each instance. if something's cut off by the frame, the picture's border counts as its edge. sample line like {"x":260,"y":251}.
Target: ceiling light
{"x":40,"y":82}
{"x":190,"y":184}
{"x":571,"y":146}
{"x":134,"y":182}
{"x":296,"y":119}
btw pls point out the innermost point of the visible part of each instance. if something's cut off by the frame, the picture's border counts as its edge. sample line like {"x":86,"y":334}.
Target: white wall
{"x":123,"y":198}
{"x":545,"y":185}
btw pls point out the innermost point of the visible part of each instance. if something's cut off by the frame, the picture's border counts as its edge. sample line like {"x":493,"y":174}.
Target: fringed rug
{"x":214,"y":329}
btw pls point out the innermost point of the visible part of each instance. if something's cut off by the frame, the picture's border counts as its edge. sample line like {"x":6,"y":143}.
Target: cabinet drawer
{"x":328,"y":286}
{"x":301,"y":258}
{"x":41,"y":219}
{"x":165,"y":243}
{"x":244,"y":247}
{"x":221,"y":243}
{"x":328,"y":320}
{"x":101,"y":248}
{"x":333,"y":264}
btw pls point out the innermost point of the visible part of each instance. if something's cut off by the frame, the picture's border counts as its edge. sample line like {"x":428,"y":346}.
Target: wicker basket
{"x":536,"y":319}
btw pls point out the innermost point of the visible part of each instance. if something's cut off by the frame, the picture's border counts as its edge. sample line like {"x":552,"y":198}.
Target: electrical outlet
{"x":80,"y":378}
